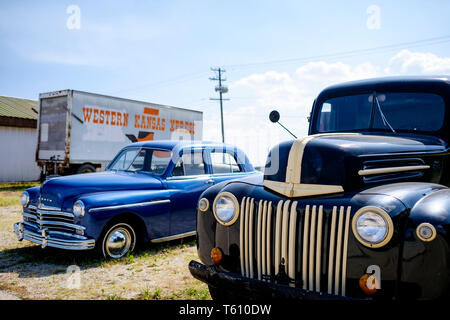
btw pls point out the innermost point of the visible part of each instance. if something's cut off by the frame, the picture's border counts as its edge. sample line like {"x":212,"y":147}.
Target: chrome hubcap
{"x":118,"y":242}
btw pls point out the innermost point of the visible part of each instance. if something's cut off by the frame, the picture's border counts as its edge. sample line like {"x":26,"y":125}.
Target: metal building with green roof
{"x":18,"y":139}
{"x":16,"y":112}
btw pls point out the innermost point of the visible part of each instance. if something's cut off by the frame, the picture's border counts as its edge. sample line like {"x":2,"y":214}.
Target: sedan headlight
{"x":372,"y":227}
{"x":24,"y":198}
{"x":226,"y":208}
{"x":78,"y":208}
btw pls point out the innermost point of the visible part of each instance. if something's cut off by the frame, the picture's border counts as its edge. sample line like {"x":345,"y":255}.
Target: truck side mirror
{"x":274,"y":116}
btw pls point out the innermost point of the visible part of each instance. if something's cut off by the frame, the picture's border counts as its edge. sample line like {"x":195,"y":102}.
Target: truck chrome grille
{"x":303,"y":247}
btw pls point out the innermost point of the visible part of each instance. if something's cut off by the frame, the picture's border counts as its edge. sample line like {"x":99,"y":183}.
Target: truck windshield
{"x":153,"y":161}
{"x":389,"y":111}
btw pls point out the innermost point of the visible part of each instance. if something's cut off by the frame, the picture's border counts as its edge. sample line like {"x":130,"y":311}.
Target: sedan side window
{"x":190,"y":164}
{"x":223,"y":162}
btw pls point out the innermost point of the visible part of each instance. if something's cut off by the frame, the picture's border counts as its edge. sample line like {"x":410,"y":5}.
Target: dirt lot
{"x":153,"y":272}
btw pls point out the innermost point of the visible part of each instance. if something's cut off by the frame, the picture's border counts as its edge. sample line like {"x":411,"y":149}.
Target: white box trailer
{"x":81,"y":132}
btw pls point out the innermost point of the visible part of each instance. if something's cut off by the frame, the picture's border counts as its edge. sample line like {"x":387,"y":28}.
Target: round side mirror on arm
{"x":274,"y":116}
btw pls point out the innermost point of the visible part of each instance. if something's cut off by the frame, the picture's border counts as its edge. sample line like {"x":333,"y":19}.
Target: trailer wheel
{"x":86,"y":168}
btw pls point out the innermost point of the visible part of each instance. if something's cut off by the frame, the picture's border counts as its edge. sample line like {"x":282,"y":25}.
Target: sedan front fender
{"x":151,"y":206}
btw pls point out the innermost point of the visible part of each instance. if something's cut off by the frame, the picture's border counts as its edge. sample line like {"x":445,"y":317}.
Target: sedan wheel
{"x":118,"y":241}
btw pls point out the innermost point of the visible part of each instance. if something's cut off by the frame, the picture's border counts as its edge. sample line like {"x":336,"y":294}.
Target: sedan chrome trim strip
{"x":48,"y":208}
{"x":52,"y":223}
{"x":368,"y":172}
{"x":55,"y":213}
{"x":174,"y":237}
{"x":131,"y":205}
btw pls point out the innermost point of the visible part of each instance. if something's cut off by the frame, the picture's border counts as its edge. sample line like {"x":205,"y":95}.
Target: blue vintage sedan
{"x":149,"y":192}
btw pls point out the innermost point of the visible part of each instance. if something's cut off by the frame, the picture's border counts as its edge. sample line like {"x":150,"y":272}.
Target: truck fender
{"x":433,"y":208}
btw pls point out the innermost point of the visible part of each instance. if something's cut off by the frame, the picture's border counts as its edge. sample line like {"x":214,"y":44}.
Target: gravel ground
{"x":4,"y":295}
{"x":154,"y":272}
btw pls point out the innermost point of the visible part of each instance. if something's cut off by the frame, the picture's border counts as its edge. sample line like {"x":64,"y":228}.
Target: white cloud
{"x":407,"y":62}
{"x":292,"y":94}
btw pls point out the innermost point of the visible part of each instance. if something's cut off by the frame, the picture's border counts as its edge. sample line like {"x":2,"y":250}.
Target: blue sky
{"x":162,"y":51}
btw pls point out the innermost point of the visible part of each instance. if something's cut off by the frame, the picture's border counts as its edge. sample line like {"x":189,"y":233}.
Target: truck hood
{"x":333,"y":163}
{"x":56,"y":191}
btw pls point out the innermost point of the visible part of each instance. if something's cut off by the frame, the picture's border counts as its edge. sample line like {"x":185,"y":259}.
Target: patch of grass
{"x":197,"y":294}
{"x":129,"y":259}
{"x":10,"y":192}
{"x":114,"y":297}
{"x":9,"y":201}
{"x":146,"y":294}
{"x":157,"y":294}
{"x":17,"y":186}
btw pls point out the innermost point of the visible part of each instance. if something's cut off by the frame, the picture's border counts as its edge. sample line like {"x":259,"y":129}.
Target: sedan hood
{"x":57,"y":190}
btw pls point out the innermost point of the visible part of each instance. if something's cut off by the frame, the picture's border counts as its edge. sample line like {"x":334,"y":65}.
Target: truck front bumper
{"x":45,"y":239}
{"x":237,"y":286}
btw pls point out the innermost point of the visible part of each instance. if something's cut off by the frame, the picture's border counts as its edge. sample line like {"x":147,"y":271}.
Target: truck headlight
{"x":78,"y":208}
{"x":24,"y":198}
{"x":372,"y":227}
{"x":226,"y":208}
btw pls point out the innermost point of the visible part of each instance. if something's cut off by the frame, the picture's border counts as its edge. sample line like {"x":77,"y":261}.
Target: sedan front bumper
{"x":46,"y":239}
{"x":235,"y":285}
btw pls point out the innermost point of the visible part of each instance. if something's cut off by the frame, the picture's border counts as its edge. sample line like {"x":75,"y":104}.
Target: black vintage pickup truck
{"x":358,"y":209}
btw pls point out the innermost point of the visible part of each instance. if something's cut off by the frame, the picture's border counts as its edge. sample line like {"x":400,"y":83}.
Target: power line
{"x":163,"y":83}
{"x":412,"y":44}
{"x":196,"y":75}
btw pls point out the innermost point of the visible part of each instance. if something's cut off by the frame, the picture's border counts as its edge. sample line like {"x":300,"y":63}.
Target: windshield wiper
{"x":383,"y":117}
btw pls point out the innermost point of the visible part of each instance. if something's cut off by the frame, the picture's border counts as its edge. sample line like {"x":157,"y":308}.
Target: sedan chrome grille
{"x":303,"y":247}
{"x":53,"y":221}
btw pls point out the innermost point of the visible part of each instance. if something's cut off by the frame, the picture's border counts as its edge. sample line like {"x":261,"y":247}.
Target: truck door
{"x":53,"y":128}
{"x":189,"y":179}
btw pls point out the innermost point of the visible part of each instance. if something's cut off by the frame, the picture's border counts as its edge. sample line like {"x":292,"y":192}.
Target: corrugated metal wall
{"x":17,"y":154}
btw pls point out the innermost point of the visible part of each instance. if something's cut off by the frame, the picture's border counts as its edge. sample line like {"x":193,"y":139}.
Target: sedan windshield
{"x":154,"y":161}
{"x":410,"y":111}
